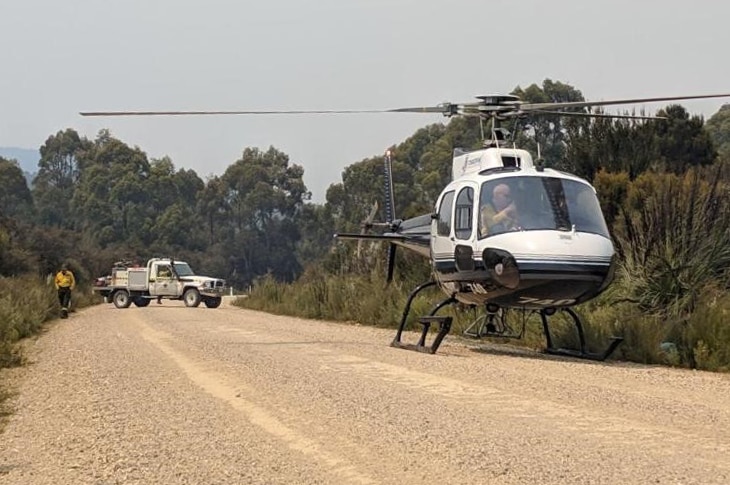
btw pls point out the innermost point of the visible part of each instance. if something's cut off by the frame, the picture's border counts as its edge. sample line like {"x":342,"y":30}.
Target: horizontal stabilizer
{"x":378,"y":237}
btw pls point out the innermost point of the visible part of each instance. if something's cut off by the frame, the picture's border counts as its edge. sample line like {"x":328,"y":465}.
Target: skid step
{"x":444,"y":328}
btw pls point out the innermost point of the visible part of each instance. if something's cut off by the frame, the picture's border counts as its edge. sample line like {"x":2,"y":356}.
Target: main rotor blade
{"x":196,"y":113}
{"x":422,"y":109}
{"x":586,"y":104}
{"x":446,"y":109}
{"x":597,"y":115}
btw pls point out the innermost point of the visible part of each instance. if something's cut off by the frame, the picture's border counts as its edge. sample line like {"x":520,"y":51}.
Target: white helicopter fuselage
{"x":551,"y":248}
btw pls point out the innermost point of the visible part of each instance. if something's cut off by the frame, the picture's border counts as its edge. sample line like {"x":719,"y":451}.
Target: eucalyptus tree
{"x":550,"y":131}
{"x":683,"y":142}
{"x":111,"y":200}
{"x":264,"y":195}
{"x":15,"y":197}
{"x":174,"y":222}
{"x":62,"y":162}
{"x":718,"y":126}
{"x":16,"y":206}
{"x":351,"y":201}
{"x":212,"y":208}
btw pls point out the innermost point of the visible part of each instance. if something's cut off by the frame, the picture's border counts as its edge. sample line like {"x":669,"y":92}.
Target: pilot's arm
{"x":507,"y":216}
{"x":492,"y":221}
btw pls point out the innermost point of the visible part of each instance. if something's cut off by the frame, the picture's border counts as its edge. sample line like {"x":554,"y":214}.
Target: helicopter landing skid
{"x":426,"y":321}
{"x":581,"y":353}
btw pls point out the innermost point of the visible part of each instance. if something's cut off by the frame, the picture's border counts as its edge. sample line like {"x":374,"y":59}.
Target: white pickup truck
{"x":161,"y":278}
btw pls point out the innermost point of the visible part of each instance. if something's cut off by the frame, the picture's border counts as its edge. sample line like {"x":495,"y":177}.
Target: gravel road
{"x":168,"y":394}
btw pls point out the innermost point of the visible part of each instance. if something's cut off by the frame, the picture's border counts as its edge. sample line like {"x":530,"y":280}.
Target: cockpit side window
{"x":463,"y":216}
{"x":444,"y":220}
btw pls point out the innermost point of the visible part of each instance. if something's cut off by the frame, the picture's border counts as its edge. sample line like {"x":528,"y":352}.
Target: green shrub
{"x":26,"y":303}
{"x":705,"y":337}
{"x":674,"y":240}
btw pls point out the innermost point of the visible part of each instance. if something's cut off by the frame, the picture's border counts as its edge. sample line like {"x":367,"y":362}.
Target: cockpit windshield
{"x":538,"y":203}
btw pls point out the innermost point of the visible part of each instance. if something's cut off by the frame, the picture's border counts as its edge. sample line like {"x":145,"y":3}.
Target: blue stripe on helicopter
{"x":600,"y":260}
{"x":534,"y":266}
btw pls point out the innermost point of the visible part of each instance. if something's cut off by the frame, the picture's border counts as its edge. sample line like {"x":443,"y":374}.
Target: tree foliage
{"x":718,"y":126}
{"x":15,"y":197}
{"x":59,"y":170}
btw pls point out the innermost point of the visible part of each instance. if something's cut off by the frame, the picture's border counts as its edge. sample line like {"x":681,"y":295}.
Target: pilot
{"x":500,"y":215}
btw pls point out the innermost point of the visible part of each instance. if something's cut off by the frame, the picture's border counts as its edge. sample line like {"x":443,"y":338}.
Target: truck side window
{"x":164,"y":271}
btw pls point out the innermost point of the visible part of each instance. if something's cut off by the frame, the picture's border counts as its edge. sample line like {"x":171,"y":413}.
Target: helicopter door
{"x":464,"y":215}
{"x":442,"y":247}
{"x":455,"y":227}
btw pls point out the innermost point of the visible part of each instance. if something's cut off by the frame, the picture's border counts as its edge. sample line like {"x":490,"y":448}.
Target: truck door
{"x":162,"y":280}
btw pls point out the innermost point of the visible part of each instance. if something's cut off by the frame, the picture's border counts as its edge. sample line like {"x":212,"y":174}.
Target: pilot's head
{"x":501,"y":196}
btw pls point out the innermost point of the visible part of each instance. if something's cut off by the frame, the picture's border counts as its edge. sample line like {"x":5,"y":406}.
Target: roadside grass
{"x":366,"y":299}
{"x":702,"y":340}
{"x":26,"y":304}
{"x":356,"y":298}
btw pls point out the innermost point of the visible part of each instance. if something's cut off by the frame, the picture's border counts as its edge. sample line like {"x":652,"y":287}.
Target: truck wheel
{"x":141,"y":302}
{"x":191,"y":297}
{"x":212,"y":302}
{"x":121,"y":299}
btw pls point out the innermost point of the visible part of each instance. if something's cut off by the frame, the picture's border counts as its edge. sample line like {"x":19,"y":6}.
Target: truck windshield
{"x":182,"y":269}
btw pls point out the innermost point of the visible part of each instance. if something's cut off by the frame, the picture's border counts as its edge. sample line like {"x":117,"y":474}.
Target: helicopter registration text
{"x":546,"y":302}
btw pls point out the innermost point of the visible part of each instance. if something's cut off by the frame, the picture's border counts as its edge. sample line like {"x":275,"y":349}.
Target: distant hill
{"x":27,"y":159}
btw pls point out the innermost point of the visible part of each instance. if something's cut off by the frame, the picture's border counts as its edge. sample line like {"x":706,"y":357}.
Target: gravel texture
{"x":168,"y":394}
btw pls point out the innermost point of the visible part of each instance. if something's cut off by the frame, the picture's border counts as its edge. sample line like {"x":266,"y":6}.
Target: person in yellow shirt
{"x":65,"y":283}
{"x":500,"y":215}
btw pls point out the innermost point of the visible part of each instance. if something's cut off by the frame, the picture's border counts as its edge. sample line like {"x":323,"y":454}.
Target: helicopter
{"x":506,"y":233}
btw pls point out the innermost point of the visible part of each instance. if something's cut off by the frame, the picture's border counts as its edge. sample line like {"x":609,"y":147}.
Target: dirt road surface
{"x":168,"y":394}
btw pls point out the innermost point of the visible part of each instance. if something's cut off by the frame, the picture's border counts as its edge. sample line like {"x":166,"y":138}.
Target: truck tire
{"x":212,"y":302}
{"x":191,"y":297}
{"x":121,"y":299}
{"x":141,"y":302}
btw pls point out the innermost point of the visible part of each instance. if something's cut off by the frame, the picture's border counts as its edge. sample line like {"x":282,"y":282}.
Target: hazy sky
{"x":62,"y":57}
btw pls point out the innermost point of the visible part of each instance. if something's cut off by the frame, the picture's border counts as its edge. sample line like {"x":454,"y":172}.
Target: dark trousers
{"x":64,"y":297}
